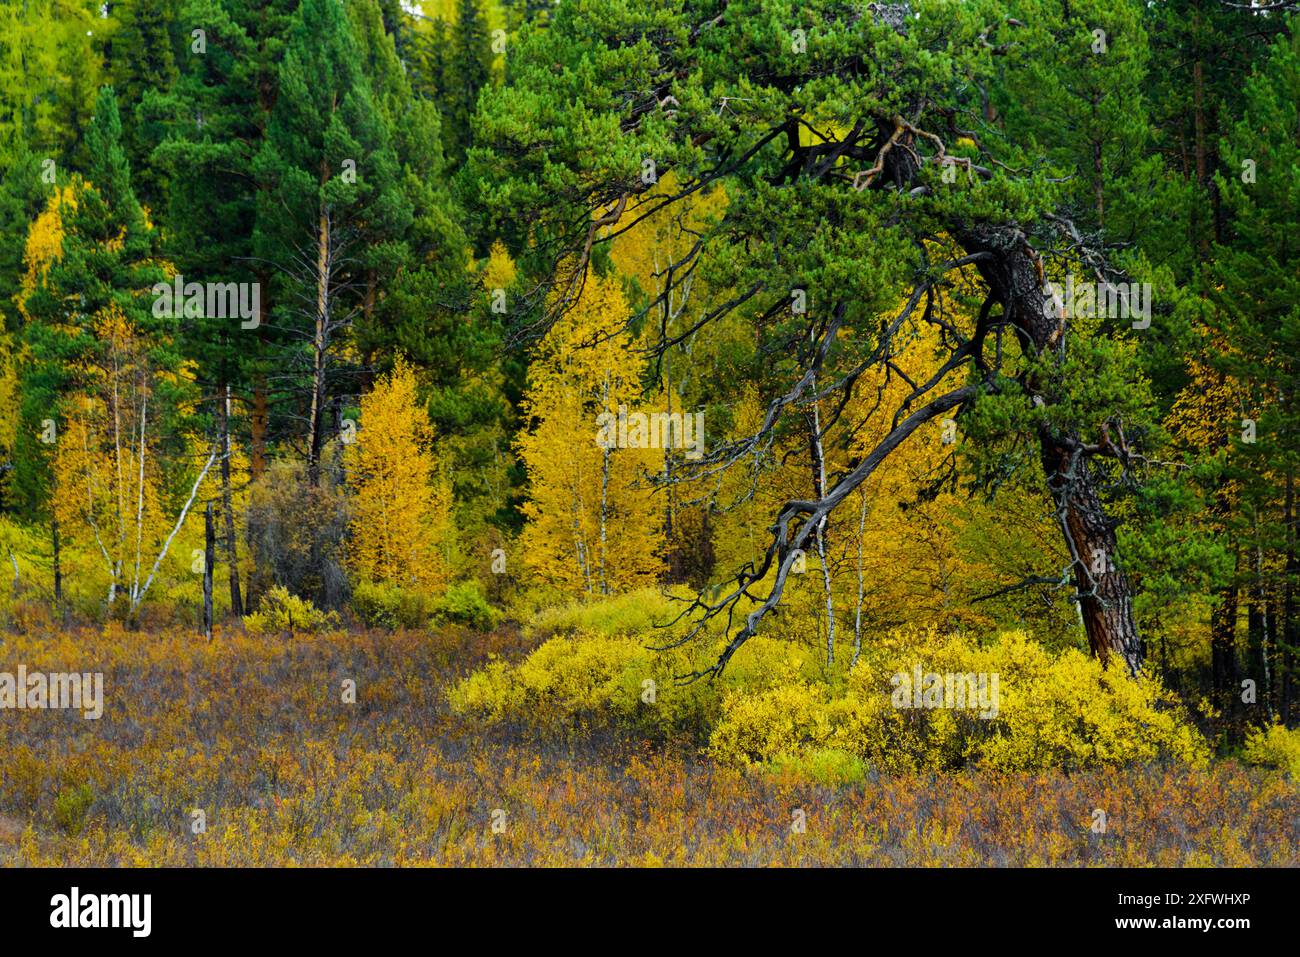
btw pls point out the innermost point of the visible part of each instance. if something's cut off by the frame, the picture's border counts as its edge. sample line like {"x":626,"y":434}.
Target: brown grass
{"x":252,"y":732}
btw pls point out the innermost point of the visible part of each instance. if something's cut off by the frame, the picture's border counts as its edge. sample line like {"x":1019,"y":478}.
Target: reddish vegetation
{"x":253,"y":732}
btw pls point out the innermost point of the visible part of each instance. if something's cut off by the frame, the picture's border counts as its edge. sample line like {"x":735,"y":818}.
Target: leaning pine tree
{"x":856,"y":181}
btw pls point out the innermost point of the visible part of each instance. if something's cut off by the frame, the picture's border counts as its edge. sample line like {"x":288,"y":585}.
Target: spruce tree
{"x":331,"y":199}
{"x":1255,"y":292}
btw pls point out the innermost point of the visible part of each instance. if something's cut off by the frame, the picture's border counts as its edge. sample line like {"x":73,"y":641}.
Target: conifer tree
{"x":469,"y":68}
{"x":332,"y":190}
{"x":92,"y":253}
{"x":1255,"y":291}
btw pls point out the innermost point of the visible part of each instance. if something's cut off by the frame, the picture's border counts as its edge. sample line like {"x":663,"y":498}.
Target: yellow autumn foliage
{"x":1064,"y":711}
{"x":402,"y":503}
{"x":593,"y":524}
{"x":773,"y":706}
{"x":9,"y":397}
{"x":280,"y":611}
{"x":1275,"y":747}
{"x":106,"y":467}
{"x":44,"y":244}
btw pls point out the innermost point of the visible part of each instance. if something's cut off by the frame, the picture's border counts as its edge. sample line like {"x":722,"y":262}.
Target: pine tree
{"x":467,"y":71}
{"x":93,"y":251}
{"x":103,"y":426}
{"x":1255,"y":289}
{"x":212,"y":122}
{"x":332,"y":189}
{"x":144,"y":70}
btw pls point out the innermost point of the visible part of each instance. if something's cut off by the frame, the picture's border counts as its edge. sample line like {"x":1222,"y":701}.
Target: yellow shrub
{"x":780,"y":723}
{"x":1078,"y":714}
{"x":612,"y":679}
{"x":773,"y":708}
{"x":639,"y":613}
{"x":1277,"y":747}
{"x":282,"y":611}
{"x":822,"y":765}
{"x":1066,"y":711}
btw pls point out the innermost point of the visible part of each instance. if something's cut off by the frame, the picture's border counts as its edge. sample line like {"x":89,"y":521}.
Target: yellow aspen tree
{"x":643,"y":253}
{"x":594,"y":524}
{"x":105,"y":468}
{"x":402,"y":504}
{"x":902,"y":542}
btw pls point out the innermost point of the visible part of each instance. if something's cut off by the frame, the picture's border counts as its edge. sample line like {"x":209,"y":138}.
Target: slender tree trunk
{"x":139,"y":508}
{"x":121,"y":491}
{"x":258,"y":426}
{"x":818,"y":457}
{"x":1257,"y":629}
{"x":857,"y":618}
{"x":319,"y":344}
{"x":1289,"y":624}
{"x":669,"y":491}
{"x":209,"y":559}
{"x":1223,"y":651}
{"x":228,"y":509}
{"x":1099,"y":184}
{"x":336,"y":424}
{"x":58,"y":563}
{"x":604,"y":498}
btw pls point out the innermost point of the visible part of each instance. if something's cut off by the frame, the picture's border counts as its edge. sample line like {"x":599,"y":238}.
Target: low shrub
{"x":1275,"y":747}
{"x":296,"y":532}
{"x":617,"y":680}
{"x":391,"y":606}
{"x":281,"y":611}
{"x":1066,"y":711}
{"x":465,"y":604}
{"x":773,"y":707}
{"x":829,"y":766}
{"x":642,"y":613}
{"x":71,"y":805}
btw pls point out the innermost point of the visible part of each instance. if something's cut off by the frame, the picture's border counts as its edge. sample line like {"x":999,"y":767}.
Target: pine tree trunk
{"x":258,"y":427}
{"x":1104,"y":590}
{"x":227,"y":509}
{"x":318,"y":348}
{"x":209,"y":559}
{"x":1257,"y":630}
{"x":1223,"y":650}
{"x":1286,"y":666}
{"x":58,"y":563}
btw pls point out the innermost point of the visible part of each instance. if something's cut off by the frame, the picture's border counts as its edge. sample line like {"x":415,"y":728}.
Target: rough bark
{"x":817,"y":459}
{"x":258,"y":426}
{"x":1104,"y":591}
{"x":209,"y":559}
{"x":1290,"y":627}
{"x":319,"y":345}
{"x":58,"y":563}
{"x":228,"y":510}
{"x":1223,"y":648}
